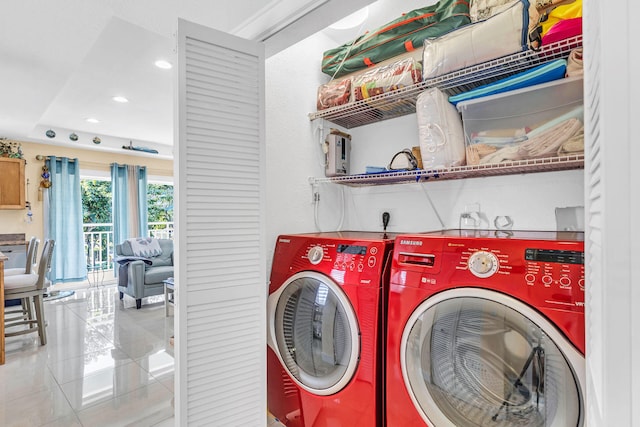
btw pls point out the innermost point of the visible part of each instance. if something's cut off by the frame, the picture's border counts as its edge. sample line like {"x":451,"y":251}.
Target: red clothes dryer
{"x":486,"y":328}
{"x":325,"y":341}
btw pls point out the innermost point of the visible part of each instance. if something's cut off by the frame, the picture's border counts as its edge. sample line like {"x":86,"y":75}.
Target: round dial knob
{"x":315,"y":255}
{"x":483,"y":264}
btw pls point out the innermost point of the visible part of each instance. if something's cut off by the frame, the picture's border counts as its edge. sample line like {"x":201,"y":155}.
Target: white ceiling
{"x":61,"y":61}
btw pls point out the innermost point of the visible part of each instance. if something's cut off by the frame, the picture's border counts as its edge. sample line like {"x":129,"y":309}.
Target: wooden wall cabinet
{"x":12,"y":191}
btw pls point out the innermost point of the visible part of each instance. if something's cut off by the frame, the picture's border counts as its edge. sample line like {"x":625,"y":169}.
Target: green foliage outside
{"x":160,"y":202}
{"x":96,"y":202}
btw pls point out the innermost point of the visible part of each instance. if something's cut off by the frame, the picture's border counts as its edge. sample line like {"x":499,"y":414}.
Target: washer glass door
{"x":316,"y":333}
{"x":476,"y":361}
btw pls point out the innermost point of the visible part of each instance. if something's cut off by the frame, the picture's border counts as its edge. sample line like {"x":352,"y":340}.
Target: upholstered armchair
{"x":143,"y":276}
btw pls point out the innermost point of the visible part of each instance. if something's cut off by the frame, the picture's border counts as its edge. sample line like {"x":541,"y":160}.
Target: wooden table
{"x":3,"y":258}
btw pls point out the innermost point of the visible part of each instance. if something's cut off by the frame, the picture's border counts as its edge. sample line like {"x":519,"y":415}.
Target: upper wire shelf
{"x":420,"y":175}
{"x":403,"y":101}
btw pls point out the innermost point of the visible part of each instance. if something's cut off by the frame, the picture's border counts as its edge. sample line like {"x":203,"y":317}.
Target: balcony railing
{"x":99,"y":247}
{"x":161,"y":230}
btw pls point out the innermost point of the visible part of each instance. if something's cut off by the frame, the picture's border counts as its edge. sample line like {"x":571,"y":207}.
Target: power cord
{"x":316,"y":204}
{"x":433,"y":206}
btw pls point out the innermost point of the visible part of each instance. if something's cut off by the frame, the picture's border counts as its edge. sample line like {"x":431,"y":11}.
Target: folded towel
{"x":145,"y":247}
{"x":541,"y":145}
{"x":575,"y":65}
{"x":575,"y":145}
{"x":546,"y":144}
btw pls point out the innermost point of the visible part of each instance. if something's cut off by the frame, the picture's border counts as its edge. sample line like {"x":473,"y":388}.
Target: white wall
{"x":294,"y":155}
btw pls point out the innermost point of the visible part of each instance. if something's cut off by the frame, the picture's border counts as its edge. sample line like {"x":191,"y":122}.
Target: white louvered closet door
{"x":594,"y":222}
{"x":221,"y":277}
{"x":612,"y":152}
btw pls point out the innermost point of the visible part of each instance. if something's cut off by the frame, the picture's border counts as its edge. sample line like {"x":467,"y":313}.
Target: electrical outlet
{"x":391,"y":218}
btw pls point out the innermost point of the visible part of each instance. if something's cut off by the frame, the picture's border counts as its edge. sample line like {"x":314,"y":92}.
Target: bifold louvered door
{"x":220,"y":264}
{"x":612,"y":202}
{"x":595,"y":296}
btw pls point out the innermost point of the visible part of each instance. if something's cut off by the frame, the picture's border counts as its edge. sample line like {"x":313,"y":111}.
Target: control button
{"x":565,"y":281}
{"x":547,"y":280}
{"x":373,"y":250}
{"x":360,"y":267}
{"x":315,"y":255}
{"x":371,"y":261}
{"x":352,"y":266}
{"x":581,"y":283}
{"x":483,"y":264}
{"x":530,"y":278}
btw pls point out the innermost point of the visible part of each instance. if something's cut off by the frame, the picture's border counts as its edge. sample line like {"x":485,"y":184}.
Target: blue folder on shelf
{"x":553,"y":70}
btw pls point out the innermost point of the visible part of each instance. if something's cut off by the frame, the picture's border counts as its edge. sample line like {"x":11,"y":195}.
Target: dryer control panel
{"x":360,"y":258}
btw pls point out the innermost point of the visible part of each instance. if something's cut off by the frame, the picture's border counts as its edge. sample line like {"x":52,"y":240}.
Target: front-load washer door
{"x":314,"y":331}
{"x":473,"y":357}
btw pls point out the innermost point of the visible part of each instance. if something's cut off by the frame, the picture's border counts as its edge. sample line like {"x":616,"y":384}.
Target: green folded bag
{"x":403,"y":34}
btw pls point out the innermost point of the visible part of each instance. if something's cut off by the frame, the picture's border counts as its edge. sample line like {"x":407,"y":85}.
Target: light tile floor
{"x":105,"y":364}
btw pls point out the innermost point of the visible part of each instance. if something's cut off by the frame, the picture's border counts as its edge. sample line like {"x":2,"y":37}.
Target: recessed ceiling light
{"x":353,"y":20}
{"x":165,"y":65}
{"x":92,"y":120}
{"x":121,"y":99}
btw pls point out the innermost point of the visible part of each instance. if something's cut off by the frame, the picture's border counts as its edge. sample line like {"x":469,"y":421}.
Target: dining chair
{"x":32,"y":259}
{"x":30,"y":286}
{"x":24,"y":310}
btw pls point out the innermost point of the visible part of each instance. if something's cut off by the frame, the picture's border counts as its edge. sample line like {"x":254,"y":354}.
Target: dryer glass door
{"x":316,"y":332}
{"x":470,"y":361}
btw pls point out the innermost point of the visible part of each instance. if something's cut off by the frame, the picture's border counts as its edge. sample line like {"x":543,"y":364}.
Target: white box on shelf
{"x":542,"y":121}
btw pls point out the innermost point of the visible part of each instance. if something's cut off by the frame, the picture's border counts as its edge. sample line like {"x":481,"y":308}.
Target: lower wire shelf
{"x":458,"y":172}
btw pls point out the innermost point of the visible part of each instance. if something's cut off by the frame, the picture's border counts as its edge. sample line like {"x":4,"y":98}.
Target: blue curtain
{"x":129,"y":189}
{"x":64,"y":220}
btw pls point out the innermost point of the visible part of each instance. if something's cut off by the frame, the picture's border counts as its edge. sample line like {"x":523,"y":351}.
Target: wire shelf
{"x":403,"y":101}
{"x":458,"y":172}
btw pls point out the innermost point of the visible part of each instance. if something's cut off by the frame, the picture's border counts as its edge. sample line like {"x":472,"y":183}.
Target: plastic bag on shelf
{"x":479,"y":10}
{"x":403,"y":73}
{"x":502,"y":34}
{"x":334,"y":93}
{"x":439,"y":130}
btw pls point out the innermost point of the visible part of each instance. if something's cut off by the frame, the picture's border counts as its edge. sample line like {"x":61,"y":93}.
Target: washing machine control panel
{"x":549,"y":271}
{"x":554,"y":268}
{"x":483,"y":264}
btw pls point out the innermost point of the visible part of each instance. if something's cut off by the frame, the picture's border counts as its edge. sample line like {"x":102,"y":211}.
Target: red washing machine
{"x":486,"y":328}
{"x":326,"y":334}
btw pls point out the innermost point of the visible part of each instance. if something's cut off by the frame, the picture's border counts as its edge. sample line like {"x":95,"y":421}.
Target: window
{"x":98,"y":220}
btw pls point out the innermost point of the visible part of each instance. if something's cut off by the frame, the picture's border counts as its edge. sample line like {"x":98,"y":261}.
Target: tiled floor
{"x":105,"y":364}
